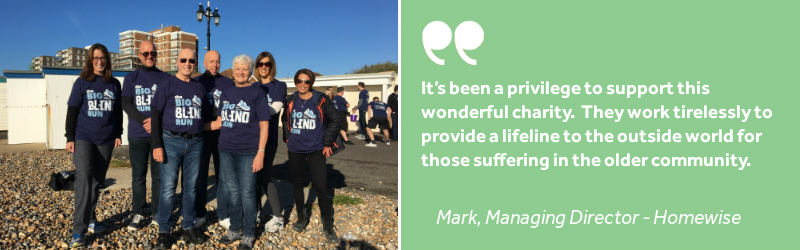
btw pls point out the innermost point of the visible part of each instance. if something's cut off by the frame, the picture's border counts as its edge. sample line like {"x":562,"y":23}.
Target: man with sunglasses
{"x":178,"y":110}
{"x":214,"y":84}
{"x":138,"y":89}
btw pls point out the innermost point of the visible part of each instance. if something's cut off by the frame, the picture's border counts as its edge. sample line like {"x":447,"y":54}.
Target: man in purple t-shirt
{"x":178,"y":109}
{"x":378,"y":112}
{"x":138,"y":90}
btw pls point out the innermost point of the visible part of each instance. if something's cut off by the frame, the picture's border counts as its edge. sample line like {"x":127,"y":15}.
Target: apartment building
{"x":168,"y":42}
{"x":37,"y":62}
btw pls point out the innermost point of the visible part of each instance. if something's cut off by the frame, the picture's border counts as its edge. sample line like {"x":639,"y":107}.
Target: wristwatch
{"x":261,"y":150}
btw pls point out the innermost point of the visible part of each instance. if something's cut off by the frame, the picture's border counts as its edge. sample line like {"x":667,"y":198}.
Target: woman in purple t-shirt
{"x":243,"y":120}
{"x":266,"y":68}
{"x":94,"y":129}
{"x":310,"y":126}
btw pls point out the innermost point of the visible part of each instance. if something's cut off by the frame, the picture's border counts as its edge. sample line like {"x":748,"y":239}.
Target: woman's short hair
{"x":247,"y":60}
{"x":272,"y":70}
{"x":87,"y":74}
{"x":308,"y":72}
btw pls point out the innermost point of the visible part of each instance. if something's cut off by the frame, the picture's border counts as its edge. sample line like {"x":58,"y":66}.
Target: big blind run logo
{"x":187,"y":110}
{"x":214,"y":97}
{"x":303,"y":120}
{"x":99,"y":102}
{"x":143,"y":97}
{"x":234,"y":113}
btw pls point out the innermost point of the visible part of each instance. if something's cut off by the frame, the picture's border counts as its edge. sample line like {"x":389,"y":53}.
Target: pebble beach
{"x":33,"y":216}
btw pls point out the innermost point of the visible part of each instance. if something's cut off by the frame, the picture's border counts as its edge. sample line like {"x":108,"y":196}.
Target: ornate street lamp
{"x":209,"y":15}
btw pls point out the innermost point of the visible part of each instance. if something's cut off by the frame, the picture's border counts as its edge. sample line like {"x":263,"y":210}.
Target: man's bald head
{"x":150,"y":59}
{"x":211,"y":62}
{"x":185,"y":68}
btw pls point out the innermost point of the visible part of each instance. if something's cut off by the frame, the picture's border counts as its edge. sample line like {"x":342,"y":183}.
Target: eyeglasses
{"x":192,"y":61}
{"x":268,"y":64}
{"x":299,"y":81}
{"x":102,"y":59}
{"x":148,"y":54}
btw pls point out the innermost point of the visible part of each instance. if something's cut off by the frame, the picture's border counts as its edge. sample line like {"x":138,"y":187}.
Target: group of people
{"x":178,"y":124}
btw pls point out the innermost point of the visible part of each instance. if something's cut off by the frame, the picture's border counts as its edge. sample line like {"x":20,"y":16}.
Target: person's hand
{"x":146,"y":125}
{"x":117,"y":142}
{"x":258,"y":162}
{"x":158,"y":154}
{"x":327,"y":152}
{"x":71,"y":146}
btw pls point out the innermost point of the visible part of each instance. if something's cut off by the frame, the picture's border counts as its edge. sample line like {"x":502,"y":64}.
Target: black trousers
{"x":91,"y":164}
{"x":319,"y":176}
{"x":395,"y":126}
{"x":141,"y":152}
{"x":210,"y":149}
{"x":264,"y":181}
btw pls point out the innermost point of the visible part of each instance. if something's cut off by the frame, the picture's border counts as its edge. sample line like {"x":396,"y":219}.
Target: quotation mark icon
{"x":436,"y":36}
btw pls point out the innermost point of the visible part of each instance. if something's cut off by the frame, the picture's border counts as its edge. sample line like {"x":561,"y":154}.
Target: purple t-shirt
{"x":182,"y":104}
{"x":276,"y":92}
{"x":140,"y":86}
{"x":213,"y":85}
{"x":97,"y":101}
{"x":378,"y":108}
{"x":363,"y":96}
{"x":340,"y":102}
{"x":241,"y":110}
{"x":305,"y":125}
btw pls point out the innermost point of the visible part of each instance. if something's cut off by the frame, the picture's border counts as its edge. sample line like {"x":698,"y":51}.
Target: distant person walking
{"x":266,"y":68}
{"x":93,"y":130}
{"x":178,"y":109}
{"x":214,"y":84}
{"x":341,"y":109}
{"x":310,"y":124}
{"x":363,"y":100}
{"x":243,"y":120}
{"x":394,"y":105}
{"x":137,"y":93}
{"x":378,"y":111}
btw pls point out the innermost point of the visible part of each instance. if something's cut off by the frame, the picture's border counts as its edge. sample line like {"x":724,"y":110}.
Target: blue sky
{"x":329,"y":37}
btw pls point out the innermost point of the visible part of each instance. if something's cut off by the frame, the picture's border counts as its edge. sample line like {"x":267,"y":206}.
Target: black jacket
{"x":330,"y":119}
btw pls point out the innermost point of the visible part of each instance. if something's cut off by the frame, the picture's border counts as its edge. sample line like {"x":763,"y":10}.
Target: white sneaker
{"x":371,"y":144}
{"x":199,"y":222}
{"x":388,"y":142}
{"x":275,"y":224}
{"x":361,"y":137}
{"x":226,"y":223}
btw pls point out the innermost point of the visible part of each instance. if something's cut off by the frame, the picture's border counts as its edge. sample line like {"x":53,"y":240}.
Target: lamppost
{"x":207,"y":13}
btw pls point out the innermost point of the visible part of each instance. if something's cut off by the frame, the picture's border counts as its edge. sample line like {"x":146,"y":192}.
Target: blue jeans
{"x":179,"y":151}
{"x":241,"y":181}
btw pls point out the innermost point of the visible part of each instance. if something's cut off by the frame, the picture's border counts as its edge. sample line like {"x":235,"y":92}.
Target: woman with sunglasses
{"x":243,"y":119}
{"x":94,"y":129}
{"x":310,"y":126}
{"x":276,"y":93}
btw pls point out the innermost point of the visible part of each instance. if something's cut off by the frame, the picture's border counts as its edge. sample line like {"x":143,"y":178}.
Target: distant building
{"x":70,"y":57}
{"x":168,"y":41}
{"x":37,"y":62}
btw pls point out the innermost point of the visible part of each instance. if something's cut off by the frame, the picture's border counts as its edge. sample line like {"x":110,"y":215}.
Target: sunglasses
{"x":299,"y":81}
{"x":192,"y":61}
{"x":268,"y":64}
{"x":148,"y":54}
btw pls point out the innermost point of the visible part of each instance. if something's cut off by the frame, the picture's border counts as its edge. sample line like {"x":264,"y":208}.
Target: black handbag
{"x":62,"y":180}
{"x":338,"y":145}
